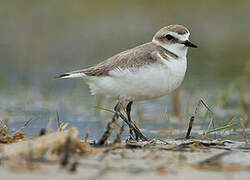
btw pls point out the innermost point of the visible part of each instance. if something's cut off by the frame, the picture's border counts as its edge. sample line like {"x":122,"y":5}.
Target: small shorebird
{"x":148,"y":71}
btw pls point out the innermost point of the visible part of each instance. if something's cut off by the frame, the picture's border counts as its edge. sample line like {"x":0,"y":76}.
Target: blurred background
{"x":41,"y":39}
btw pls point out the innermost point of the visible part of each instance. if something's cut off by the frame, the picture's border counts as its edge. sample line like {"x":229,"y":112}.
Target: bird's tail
{"x":74,"y":74}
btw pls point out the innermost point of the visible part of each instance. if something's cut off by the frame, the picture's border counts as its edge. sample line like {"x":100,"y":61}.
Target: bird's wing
{"x":136,"y":57}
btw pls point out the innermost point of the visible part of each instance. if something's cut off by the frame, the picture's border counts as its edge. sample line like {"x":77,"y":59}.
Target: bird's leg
{"x":111,"y":125}
{"x":137,"y":132}
{"x":128,"y":111}
{"x":135,"y":128}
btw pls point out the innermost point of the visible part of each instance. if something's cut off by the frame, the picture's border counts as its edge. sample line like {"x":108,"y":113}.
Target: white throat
{"x":179,"y":49}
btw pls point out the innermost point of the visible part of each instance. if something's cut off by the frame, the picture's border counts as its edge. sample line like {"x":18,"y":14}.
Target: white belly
{"x":147,"y":82}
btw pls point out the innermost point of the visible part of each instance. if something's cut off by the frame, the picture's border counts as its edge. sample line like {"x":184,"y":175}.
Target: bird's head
{"x":174,"y":38}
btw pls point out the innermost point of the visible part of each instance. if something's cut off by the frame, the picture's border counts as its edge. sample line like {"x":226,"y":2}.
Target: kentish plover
{"x":148,"y":71}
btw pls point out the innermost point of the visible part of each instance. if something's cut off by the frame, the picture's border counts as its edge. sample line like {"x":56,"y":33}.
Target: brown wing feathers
{"x":136,"y":57}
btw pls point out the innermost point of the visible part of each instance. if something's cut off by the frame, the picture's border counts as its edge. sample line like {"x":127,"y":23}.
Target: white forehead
{"x":181,"y":37}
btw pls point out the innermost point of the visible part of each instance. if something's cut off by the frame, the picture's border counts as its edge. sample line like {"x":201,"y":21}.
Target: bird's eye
{"x":169,"y":37}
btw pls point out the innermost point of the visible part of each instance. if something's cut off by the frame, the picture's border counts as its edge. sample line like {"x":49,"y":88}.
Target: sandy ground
{"x":172,"y":159}
{"x":183,"y":173}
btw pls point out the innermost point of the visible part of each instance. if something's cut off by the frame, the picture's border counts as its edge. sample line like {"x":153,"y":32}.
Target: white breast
{"x":147,"y":82}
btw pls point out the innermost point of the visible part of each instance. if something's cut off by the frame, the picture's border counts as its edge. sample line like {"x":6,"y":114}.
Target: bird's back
{"x":135,"y":57}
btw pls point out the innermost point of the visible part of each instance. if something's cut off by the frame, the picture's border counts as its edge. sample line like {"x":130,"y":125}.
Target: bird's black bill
{"x":189,"y":44}
{"x":62,"y":76}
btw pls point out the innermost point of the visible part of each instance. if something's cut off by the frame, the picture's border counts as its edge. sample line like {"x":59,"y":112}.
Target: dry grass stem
{"x":119,"y":134}
{"x":245,"y":108}
{"x":190,"y":125}
{"x":242,"y":123}
{"x":133,"y":126}
{"x":86,"y":136}
{"x":176,"y":104}
{"x":111,"y":126}
{"x":41,"y":144}
{"x":191,"y":121}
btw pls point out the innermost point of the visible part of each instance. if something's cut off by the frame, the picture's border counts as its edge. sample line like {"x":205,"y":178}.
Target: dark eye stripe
{"x":169,"y":37}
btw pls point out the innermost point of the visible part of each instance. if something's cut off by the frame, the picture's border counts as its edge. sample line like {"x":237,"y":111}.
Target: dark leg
{"x":111,"y":125}
{"x":128,"y":109}
{"x":133,"y":126}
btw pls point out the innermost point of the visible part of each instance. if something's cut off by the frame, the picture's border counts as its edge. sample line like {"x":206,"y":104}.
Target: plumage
{"x":147,"y":71}
{"x":136,"y":84}
{"x":133,"y":58}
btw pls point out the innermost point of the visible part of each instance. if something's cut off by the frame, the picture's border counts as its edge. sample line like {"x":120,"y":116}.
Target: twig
{"x":245,"y":108}
{"x":206,"y":106}
{"x":193,"y":118}
{"x":220,"y":128}
{"x":243,"y":130}
{"x":112,"y":148}
{"x":86,"y":136}
{"x":66,"y":153}
{"x":110,"y":126}
{"x":134,"y":127}
{"x":40,"y":144}
{"x":58,"y":120}
{"x":211,"y":122}
{"x":165,"y":142}
{"x":27,"y":123}
{"x":131,"y":125}
{"x":176,"y":104}
{"x":190,"y":125}
{"x":119,"y":134}
{"x":104,"y":109}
